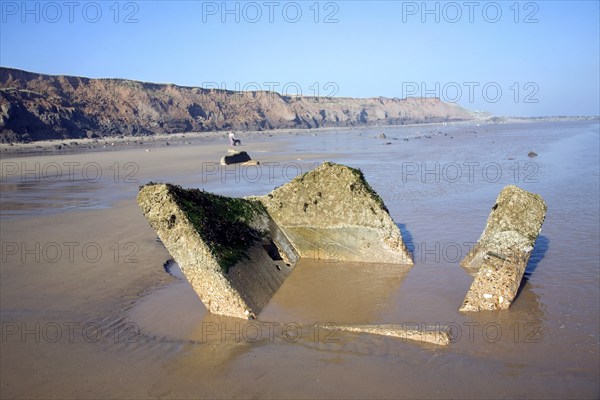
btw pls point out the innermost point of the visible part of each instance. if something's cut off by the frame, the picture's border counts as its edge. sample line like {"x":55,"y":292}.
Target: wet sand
{"x":88,"y":310}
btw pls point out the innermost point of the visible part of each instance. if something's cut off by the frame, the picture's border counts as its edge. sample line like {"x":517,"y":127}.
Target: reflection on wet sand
{"x":48,"y":196}
{"x":340,"y":292}
{"x":291,"y":323}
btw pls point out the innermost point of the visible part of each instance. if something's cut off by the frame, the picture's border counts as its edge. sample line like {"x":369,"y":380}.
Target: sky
{"x":509,"y":58}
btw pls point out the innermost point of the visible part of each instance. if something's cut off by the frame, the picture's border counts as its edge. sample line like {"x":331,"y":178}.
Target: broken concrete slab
{"x":235,"y":157}
{"x":332,"y":213}
{"x":229,"y":249}
{"x":501,"y":254}
{"x":436,"y":334}
{"x":236,"y":252}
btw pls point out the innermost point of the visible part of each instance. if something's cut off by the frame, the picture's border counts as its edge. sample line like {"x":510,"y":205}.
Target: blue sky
{"x":509,"y":58}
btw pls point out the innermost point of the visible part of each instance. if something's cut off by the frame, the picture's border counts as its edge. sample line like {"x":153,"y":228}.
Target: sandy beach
{"x":91,"y":308}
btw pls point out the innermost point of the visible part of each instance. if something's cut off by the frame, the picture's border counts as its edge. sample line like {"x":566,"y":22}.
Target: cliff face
{"x":38,"y":107}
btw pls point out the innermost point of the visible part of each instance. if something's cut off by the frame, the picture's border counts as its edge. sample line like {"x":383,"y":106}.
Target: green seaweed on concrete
{"x":361,"y":177}
{"x":222,"y":222}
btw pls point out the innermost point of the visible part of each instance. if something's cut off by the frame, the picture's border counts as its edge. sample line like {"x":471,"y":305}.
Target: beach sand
{"x":88,"y":309}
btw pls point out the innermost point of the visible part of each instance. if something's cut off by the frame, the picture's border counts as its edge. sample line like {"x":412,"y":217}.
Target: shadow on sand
{"x":407,"y":237}
{"x":539,"y":251}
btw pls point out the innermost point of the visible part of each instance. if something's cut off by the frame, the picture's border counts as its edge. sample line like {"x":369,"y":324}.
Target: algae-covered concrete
{"x":229,"y":249}
{"x":503,"y":250}
{"x":332,"y":213}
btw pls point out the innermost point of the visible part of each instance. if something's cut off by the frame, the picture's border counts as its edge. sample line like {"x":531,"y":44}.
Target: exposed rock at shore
{"x":503,"y":250}
{"x":235,"y":157}
{"x":39,"y":107}
{"x":236,"y":252}
{"x":332,"y":213}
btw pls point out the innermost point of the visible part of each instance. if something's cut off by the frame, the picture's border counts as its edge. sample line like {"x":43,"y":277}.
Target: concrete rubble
{"x":500,"y":256}
{"x":331,"y":212}
{"x":236,"y":253}
{"x":229,"y":249}
{"x":436,"y":335}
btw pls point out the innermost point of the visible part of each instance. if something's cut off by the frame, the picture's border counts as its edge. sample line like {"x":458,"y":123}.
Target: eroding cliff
{"x":37,"y":107}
